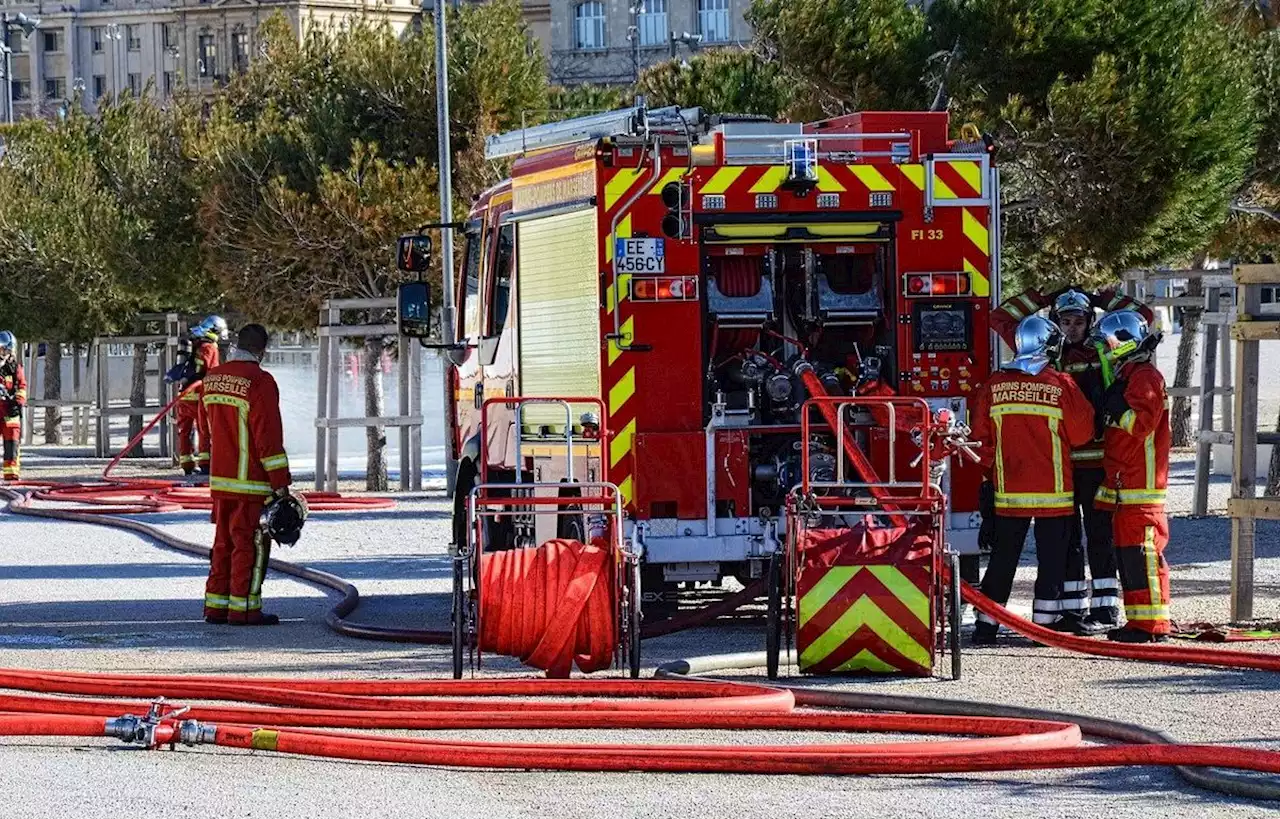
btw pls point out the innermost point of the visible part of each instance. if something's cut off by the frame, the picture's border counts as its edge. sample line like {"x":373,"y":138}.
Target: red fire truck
{"x":677,"y":266}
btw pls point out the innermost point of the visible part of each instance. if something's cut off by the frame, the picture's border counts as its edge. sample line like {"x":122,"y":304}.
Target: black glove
{"x":1114,"y":404}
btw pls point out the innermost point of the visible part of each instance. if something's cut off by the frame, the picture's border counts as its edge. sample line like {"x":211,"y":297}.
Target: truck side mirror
{"x":413,"y":253}
{"x":413,"y":309}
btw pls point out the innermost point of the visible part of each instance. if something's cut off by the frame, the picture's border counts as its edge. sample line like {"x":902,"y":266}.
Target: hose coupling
{"x":194,"y":732}
{"x":151,"y":731}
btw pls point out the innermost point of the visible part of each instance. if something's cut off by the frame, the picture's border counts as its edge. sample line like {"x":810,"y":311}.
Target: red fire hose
{"x":288,"y":724}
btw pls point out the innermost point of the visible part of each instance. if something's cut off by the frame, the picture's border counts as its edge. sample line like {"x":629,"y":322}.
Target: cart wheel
{"x":633,"y":626}
{"x":953,"y":614}
{"x":459,"y":617}
{"x":773,"y":628}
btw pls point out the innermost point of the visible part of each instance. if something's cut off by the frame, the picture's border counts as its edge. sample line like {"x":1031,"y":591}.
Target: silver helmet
{"x":1071,"y":301}
{"x":1122,"y":333}
{"x":1037,"y":342}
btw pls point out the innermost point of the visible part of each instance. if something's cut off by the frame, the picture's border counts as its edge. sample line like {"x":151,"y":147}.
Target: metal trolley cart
{"x":537,"y":512}
{"x":864,"y":557}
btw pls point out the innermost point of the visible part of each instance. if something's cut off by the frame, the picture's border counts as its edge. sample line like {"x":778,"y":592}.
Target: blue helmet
{"x":8,"y":342}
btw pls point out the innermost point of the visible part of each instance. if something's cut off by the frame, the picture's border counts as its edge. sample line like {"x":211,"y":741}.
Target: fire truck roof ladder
{"x":636,"y":121}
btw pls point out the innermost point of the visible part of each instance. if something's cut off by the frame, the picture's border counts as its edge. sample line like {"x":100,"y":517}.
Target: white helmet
{"x":1038,"y":341}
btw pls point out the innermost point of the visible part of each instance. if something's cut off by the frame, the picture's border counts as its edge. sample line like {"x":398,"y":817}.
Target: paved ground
{"x":88,"y":598}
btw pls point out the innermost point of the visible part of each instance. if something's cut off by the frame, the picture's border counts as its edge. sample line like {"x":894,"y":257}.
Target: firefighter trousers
{"x":1052,"y":539}
{"x":12,"y":436}
{"x":189,"y":434}
{"x":1141,"y":536}
{"x":1091,"y":527}
{"x":238,"y":562}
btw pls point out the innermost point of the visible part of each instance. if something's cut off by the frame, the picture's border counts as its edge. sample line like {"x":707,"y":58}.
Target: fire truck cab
{"x":677,"y":266}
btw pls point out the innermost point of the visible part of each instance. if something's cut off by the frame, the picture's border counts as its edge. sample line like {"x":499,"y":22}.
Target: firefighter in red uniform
{"x":249,"y":467}
{"x":1136,"y":460}
{"x":1072,"y":309}
{"x":202,"y":358}
{"x":1027,"y":419}
{"x":13,"y":397}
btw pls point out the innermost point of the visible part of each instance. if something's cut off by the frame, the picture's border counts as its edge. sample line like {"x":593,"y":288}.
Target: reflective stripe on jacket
{"x":1027,"y":426}
{"x":242,"y":414}
{"x":1136,"y":445}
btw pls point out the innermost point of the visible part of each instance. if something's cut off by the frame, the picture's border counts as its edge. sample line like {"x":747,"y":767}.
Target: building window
{"x":17,"y":43}
{"x":713,"y":20}
{"x":55,"y":88}
{"x":52,"y":41}
{"x":588,"y":21}
{"x":21,"y":90}
{"x":240,"y":51}
{"x":135,"y":85}
{"x":169,"y":83}
{"x":166,"y":35}
{"x":95,"y":38}
{"x":207,"y":54}
{"x":652,"y":22}
{"x":134,"y":36}
{"x":99,"y":86}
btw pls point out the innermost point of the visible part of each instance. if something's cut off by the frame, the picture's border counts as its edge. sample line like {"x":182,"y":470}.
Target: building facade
{"x":610,"y":41}
{"x":101,"y":49}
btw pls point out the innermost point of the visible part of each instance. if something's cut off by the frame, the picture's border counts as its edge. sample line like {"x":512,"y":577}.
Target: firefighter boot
{"x":984,"y":634}
{"x":1106,"y":616}
{"x":257,"y":619}
{"x":1135,"y":635}
{"x":1080,"y":626}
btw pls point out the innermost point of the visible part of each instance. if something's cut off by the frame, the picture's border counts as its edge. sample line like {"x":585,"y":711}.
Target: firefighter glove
{"x":1114,"y":404}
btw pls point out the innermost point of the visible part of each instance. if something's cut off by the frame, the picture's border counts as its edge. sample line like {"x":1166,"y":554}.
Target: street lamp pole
{"x":8,"y":67}
{"x":445,"y":161}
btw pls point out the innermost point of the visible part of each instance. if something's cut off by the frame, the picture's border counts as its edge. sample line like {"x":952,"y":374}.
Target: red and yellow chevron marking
{"x":875,"y":618}
{"x":618,"y":368}
{"x":977,"y":249}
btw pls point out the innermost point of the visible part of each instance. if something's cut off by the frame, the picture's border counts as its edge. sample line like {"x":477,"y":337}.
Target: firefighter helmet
{"x":1069,"y":302}
{"x":8,"y":343}
{"x":1122,"y":333}
{"x":283,"y":516}
{"x":1037,"y":342}
{"x":213,"y":328}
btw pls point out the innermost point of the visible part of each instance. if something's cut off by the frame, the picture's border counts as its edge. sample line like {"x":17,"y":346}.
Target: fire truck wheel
{"x":499,"y":533}
{"x":659,"y":601}
{"x":773,"y":629}
{"x":571,"y":527}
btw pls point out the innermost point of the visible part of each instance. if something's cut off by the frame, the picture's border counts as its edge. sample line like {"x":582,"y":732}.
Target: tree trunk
{"x":53,"y":392}
{"x":138,"y":397}
{"x":1184,"y":433}
{"x":371,"y":369}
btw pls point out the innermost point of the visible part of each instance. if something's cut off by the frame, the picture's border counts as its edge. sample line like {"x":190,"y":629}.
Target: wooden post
{"x":335,"y":366}
{"x":33,"y":391}
{"x":322,"y":405}
{"x":402,"y":371}
{"x":1208,"y":378}
{"x":1227,"y":398}
{"x":102,"y":441}
{"x":1245,"y":451}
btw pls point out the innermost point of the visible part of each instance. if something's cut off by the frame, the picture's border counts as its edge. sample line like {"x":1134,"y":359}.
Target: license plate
{"x":640,"y":256}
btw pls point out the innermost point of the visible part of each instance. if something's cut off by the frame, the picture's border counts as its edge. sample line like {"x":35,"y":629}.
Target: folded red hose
{"x":551,"y":606}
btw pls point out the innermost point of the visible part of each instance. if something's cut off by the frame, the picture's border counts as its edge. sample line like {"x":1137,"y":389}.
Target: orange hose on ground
{"x":997,"y":743}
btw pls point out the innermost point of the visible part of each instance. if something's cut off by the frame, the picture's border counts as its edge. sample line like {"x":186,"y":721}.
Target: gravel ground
{"x":90,"y":598}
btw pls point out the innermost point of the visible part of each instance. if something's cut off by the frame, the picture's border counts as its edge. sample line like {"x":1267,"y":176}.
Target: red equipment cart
{"x":525,"y":514}
{"x":864,"y":555}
